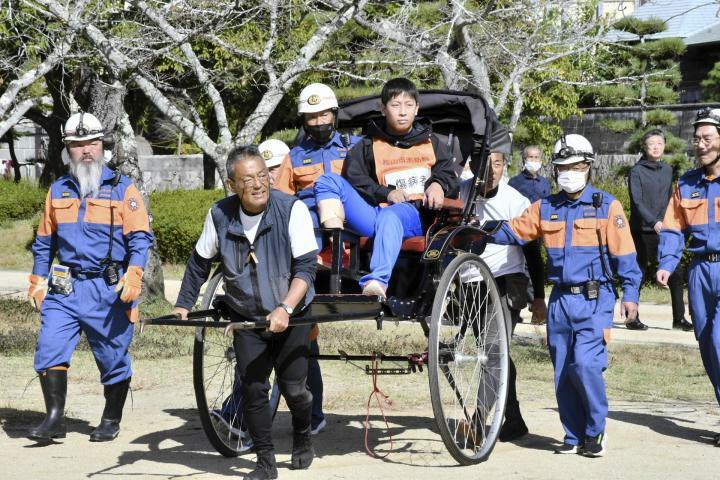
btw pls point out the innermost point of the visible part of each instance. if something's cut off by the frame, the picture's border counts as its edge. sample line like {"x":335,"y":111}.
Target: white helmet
{"x":82,"y":126}
{"x":273,"y":151}
{"x":316,"y":97}
{"x":572,"y":148}
{"x":708,"y":115}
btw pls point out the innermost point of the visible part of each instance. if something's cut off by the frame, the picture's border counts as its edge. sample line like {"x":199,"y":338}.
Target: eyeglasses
{"x":706,"y":140}
{"x":261,"y":177}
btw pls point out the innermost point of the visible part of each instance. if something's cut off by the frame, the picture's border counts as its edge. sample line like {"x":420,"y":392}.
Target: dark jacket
{"x":252,"y":288}
{"x":650,"y":187}
{"x":359,"y":167}
{"x":532,"y":188}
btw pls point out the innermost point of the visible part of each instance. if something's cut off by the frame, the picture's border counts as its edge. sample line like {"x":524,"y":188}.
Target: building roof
{"x":710,"y":34}
{"x":684,"y":19}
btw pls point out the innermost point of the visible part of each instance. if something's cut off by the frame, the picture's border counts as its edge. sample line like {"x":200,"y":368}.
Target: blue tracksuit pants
{"x":389,"y":226}
{"x":704,"y":296}
{"x":95,"y":309}
{"x":579,"y":355}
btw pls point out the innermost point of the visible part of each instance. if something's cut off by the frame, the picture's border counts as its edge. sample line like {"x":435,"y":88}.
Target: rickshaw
{"x":445,"y":287}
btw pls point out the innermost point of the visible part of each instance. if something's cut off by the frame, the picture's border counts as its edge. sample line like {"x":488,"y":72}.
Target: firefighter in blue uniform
{"x":96,"y":226}
{"x":576,"y":224}
{"x":694,"y":211}
{"x":323,"y":150}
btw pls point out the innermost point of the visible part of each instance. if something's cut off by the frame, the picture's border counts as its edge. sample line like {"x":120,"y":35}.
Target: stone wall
{"x":170,"y":172}
{"x":610,"y":143}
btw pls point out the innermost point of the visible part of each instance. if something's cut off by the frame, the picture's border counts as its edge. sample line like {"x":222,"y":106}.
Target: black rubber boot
{"x":265,"y":467}
{"x":302,"y":451}
{"x":109,"y":427}
{"x":54,"y":388}
{"x":514,"y":426}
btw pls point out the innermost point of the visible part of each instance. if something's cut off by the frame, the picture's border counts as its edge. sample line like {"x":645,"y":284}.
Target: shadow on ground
{"x":670,"y":426}
{"x":16,"y":423}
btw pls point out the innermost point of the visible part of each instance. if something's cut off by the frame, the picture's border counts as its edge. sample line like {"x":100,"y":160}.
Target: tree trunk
{"x":208,"y":172}
{"x":105,"y":101}
{"x":56,"y":81}
{"x":13,"y":156}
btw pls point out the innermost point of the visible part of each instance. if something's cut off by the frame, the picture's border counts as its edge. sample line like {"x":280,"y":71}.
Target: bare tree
{"x":182,"y":32}
{"x":491,"y":48}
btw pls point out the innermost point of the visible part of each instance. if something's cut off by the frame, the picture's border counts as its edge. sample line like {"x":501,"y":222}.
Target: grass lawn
{"x":635,"y":373}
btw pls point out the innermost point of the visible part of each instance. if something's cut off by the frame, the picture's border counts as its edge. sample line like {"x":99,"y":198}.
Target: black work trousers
{"x":646,"y":244}
{"x":511,"y":303}
{"x":257,"y":352}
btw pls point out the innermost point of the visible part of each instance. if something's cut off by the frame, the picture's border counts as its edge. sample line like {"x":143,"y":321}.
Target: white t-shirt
{"x":300,"y":229}
{"x":507,"y":204}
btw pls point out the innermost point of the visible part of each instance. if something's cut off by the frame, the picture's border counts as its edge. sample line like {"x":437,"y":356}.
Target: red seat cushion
{"x":411,"y":244}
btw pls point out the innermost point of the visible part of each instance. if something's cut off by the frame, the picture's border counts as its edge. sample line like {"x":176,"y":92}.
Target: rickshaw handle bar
{"x":247,"y":322}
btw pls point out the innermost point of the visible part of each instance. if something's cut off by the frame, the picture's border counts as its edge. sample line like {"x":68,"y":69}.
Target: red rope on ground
{"x":377,"y":393}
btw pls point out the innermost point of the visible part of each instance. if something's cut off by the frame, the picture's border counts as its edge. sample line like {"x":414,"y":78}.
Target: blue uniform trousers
{"x":95,"y":309}
{"x":704,"y":299}
{"x":389,"y":226}
{"x":579,"y":355}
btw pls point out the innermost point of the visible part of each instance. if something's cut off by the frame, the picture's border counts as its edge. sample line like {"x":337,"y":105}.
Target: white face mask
{"x":572,"y":181}
{"x":533,"y":167}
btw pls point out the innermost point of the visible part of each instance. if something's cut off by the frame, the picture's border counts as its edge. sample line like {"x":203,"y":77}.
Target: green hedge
{"x":178,"y":218}
{"x":19,"y":201}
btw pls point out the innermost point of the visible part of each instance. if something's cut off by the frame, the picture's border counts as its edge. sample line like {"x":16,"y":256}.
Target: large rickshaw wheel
{"x":468,"y":359}
{"x":214,"y":378}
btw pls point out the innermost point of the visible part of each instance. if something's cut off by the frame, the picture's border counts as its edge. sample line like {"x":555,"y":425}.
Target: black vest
{"x":256,"y":289}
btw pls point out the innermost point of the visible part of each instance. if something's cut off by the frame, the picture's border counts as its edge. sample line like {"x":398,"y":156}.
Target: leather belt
{"x":708,"y":257}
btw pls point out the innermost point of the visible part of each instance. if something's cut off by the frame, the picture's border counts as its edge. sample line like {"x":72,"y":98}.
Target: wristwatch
{"x":287,"y":308}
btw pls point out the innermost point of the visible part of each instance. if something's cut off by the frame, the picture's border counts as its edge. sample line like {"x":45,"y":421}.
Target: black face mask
{"x":320,"y":133}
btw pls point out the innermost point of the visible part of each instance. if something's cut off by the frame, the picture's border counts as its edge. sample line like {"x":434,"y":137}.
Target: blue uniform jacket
{"x":569,"y":232}
{"x":694,"y":213}
{"x":308,"y":161}
{"x":77,"y":231}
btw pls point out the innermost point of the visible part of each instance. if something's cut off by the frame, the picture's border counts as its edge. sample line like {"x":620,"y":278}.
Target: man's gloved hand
{"x":130,"y":284}
{"x":37,"y":290}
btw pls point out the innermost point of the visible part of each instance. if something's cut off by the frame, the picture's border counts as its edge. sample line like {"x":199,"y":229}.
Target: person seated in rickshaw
{"x":323,"y":150}
{"x":399,"y":167}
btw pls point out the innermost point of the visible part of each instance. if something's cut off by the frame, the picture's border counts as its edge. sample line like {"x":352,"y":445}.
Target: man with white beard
{"x":95,"y":224}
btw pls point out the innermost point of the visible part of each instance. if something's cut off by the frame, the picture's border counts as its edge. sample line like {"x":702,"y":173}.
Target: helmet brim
{"x":571,"y":160}
{"x":80,"y":138}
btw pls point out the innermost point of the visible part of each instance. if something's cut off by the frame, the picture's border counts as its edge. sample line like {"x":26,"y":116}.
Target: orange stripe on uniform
{"x":619,"y":239}
{"x":305,"y":176}
{"x":695,"y":210}
{"x":674,"y":217}
{"x":65,"y":210}
{"x":527,"y":226}
{"x":553,"y":233}
{"x":98,"y":211}
{"x":336,"y":166}
{"x":284,"y":178}
{"x":585,"y":232}
{"x":46,"y":226}
{"x":134,"y":214}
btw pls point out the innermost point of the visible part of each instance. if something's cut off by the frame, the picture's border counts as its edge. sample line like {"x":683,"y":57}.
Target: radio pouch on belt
{"x":61,"y":280}
{"x":110,"y":272}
